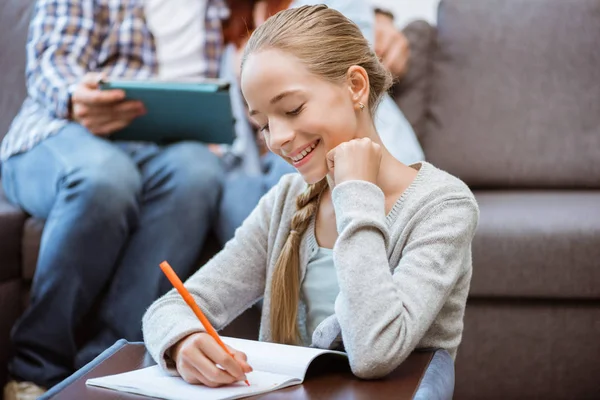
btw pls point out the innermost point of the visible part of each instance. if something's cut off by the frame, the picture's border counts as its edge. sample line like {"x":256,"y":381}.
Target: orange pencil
{"x":176,"y":282}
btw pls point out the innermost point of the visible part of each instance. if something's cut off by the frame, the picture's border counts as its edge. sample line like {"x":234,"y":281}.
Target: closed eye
{"x":265,"y":128}
{"x":296,"y":111}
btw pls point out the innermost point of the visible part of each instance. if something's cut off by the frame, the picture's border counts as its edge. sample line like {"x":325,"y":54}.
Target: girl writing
{"x":356,"y":252}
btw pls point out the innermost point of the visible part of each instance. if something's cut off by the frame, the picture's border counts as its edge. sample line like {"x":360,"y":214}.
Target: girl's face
{"x":301,"y":115}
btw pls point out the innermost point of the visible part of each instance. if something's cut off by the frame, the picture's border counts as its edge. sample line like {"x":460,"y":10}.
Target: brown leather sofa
{"x":504,"y":94}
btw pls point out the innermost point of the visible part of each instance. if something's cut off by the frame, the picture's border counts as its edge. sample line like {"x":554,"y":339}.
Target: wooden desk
{"x":327,"y":380}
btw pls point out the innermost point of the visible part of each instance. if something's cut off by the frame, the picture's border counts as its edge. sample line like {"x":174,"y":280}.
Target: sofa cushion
{"x":516,"y":93}
{"x":537,"y":244}
{"x":11,"y":223}
{"x":14,"y":20}
{"x":529,"y":244}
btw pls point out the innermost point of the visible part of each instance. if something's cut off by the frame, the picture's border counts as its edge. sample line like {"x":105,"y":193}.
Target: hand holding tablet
{"x":177,"y":111}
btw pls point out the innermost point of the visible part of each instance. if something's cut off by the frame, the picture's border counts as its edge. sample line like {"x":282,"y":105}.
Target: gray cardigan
{"x":403,"y":277}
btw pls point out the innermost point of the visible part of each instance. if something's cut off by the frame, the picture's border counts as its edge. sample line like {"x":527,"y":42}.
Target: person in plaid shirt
{"x":113,"y":210}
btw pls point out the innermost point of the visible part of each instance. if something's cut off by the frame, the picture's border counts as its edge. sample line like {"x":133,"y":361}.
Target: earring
{"x":362,"y":106}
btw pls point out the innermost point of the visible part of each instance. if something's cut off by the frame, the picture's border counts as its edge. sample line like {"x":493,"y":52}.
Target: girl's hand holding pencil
{"x":199,"y":355}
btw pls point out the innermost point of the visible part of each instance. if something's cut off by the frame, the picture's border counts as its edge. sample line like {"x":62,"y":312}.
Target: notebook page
{"x":154,"y":382}
{"x":277,"y":358}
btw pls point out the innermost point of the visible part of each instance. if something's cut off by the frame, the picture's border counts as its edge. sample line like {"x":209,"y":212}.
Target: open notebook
{"x":275,"y":366}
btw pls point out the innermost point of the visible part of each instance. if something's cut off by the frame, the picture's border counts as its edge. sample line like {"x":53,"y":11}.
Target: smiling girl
{"x":358,"y":252}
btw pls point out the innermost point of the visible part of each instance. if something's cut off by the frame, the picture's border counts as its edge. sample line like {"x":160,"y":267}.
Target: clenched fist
{"x":358,"y":159}
{"x":197,"y":356}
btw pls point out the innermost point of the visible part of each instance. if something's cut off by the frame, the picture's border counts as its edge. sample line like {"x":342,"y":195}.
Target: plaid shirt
{"x":68,"y":38}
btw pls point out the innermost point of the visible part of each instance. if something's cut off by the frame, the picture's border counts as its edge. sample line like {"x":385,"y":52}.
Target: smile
{"x":304,"y":152}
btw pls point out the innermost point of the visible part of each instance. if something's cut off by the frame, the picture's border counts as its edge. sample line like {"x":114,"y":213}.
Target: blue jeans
{"x":113,"y":212}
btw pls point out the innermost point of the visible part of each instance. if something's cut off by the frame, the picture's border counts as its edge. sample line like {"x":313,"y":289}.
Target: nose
{"x":280,"y":134}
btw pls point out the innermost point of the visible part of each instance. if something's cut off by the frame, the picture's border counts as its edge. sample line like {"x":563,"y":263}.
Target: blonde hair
{"x":328,"y":44}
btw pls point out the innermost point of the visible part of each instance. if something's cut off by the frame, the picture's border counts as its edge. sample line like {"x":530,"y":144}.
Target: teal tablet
{"x":177,"y":111}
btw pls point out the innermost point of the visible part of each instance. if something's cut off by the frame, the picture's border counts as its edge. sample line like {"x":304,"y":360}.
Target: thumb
{"x":330,"y":159}
{"x":92,"y":79}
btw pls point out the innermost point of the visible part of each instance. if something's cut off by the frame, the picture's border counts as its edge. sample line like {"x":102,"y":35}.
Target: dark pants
{"x":113,"y":212}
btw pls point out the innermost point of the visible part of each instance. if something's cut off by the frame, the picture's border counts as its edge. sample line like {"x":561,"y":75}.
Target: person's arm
{"x":358,"y":11}
{"x":60,"y":47}
{"x":376,"y":22}
{"x":228,"y":284}
{"x":391,"y":46}
{"x":384,"y":311}
{"x":383,"y":6}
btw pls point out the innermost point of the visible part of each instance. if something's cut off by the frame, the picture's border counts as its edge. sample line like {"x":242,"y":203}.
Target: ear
{"x":358,"y":85}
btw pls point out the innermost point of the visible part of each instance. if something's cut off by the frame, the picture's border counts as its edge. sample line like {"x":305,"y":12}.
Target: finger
{"x":109,"y":128}
{"x":393,"y":59}
{"x":393,"y":45}
{"x":241,"y":359}
{"x":126,"y":111}
{"x":383,"y":43}
{"x":404,"y":44}
{"x":189,"y":374}
{"x":94,"y":97}
{"x":216,"y":149}
{"x":106,"y":115}
{"x":260,"y":13}
{"x":199,"y":367}
{"x":205,"y":381}
{"x":192,"y":374}
{"x":81,"y":111}
{"x":198,"y":374}
{"x":219,"y":356}
{"x":378,"y":41}
{"x":376,"y":147}
{"x":207,"y":367}
{"x":129,"y":107}
{"x":184,"y":362}
{"x":377,"y":151}
{"x":103,"y":113}
{"x":330,"y":157}
{"x":106,"y":123}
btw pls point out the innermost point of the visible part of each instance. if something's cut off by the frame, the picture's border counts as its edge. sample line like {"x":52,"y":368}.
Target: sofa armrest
{"x":12,"y":220}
